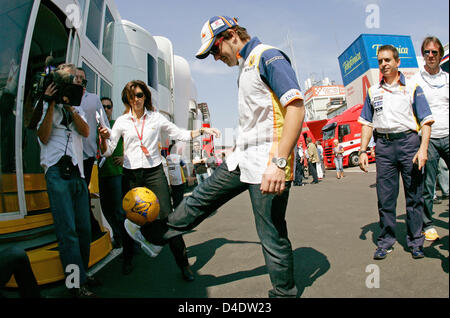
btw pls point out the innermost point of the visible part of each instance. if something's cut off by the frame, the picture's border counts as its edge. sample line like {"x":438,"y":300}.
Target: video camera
{"x":63,"y":81}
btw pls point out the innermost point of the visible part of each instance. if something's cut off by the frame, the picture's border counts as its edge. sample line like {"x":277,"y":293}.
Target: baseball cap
{"x":210,"y":30}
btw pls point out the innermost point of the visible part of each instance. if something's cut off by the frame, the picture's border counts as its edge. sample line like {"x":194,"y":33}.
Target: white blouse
{"x":130,"y":129}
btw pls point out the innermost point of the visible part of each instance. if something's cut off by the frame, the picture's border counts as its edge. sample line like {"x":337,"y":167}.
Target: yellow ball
{"x":141,"y":205}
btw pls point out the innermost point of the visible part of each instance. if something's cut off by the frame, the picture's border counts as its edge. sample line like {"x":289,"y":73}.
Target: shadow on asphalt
{"x":374,"y":228}
{"x":160,"y":278}
{"x":309,"y":265}
{"x":432,"y":251}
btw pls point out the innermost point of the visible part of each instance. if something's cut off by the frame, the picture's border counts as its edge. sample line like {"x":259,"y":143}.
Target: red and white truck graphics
{"x":346,"y":129}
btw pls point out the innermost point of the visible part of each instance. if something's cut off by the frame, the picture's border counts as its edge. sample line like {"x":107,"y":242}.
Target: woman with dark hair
{"x":140,"y":127}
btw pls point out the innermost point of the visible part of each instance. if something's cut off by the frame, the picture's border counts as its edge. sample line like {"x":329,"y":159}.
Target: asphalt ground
{"x":333,"y":228}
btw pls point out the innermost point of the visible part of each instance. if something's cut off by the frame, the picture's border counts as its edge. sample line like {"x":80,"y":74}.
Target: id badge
{"x":145,"y":151}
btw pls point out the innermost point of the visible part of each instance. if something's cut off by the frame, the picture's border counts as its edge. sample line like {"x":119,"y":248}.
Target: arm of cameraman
{"x":80,"y":124}
{"x":45,"y":129}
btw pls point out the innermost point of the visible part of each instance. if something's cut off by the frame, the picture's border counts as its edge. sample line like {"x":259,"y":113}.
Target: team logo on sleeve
{"x":290,"y":96}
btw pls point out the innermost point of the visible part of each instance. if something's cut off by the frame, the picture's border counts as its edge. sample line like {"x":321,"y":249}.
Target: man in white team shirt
{"x":176,"y":176}
{"x":271,"y":114}
{"x":434,"y":82}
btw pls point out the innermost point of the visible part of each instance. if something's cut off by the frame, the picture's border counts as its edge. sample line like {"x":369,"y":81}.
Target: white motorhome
{"x":90,"y":34}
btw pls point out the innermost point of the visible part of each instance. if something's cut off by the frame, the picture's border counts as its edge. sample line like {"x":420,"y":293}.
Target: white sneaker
{"x":431,"y":235}
{"x":134,"y":232}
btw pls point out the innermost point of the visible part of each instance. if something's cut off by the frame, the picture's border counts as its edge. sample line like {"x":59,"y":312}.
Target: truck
{"x":346,"y":129}
{"x":312,"y":129}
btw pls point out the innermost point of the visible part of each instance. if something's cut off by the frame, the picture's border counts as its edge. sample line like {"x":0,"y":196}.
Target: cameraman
{"x":60,"y":133}
{"x":91,"y":106}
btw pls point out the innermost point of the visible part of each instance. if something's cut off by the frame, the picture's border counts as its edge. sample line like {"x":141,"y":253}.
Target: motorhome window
{"x":163,"y":73}
{"x":91,"y":78}
{"x":14,"y":16}
{"x":108,"y":35}
{"x":82,"y":6}
{"x":76,"y":50}
{"x":93,"y":25}
{"x":152,"y":72}
{"x":105,"y":89}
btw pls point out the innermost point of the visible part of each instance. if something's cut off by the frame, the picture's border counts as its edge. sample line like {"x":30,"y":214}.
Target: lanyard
{"x":431,"y":85}
{"x":144,"y":149}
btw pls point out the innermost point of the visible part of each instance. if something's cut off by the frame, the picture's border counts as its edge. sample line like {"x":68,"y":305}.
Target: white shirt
{"x":127,"y":127}
{"x":262,"y":110}
{"x":396,"y":108}
{"x":175,"y":175}
{"x":60,"y":137}
{"x":91,"y":105}
{"x":436,"y":91}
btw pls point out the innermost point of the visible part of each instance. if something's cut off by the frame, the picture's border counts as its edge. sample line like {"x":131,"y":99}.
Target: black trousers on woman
{"x":155,"y":180}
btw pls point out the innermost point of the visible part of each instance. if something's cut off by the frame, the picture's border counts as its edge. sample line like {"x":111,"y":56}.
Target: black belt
{"x":392,"y":136}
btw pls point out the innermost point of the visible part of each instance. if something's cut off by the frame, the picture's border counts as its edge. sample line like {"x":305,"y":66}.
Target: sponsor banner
{"x":328,"y":91}
{"x":361,"y":55}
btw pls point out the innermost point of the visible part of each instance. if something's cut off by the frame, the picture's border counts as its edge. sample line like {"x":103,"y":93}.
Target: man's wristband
{"x":362,"y":151}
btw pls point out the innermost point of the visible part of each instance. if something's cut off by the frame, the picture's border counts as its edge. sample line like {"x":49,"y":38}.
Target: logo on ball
{"x":141,"y":205}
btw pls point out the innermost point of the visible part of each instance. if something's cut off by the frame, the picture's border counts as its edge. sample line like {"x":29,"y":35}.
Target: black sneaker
{"x":381,"y":253}
{"x":417,"y":252}
{"x":82,"y":292}
{"x":187,"y":274}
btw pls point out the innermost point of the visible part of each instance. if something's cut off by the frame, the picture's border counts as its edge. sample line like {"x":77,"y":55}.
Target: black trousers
{"x":155,"y":180}
{"x":14,"y":260}
{"x":313,"y":171}
{"x":177,"y":194}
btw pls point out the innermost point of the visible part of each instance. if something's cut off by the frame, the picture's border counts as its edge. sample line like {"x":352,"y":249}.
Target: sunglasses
{"x":107,"y":106}
{"x":139,"y":95}
{"x":427,"y":52}
{"x":215,"y":48}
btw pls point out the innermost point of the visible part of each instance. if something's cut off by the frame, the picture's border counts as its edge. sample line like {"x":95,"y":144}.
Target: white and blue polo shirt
{"x":396,"y":108}
{"x":267,"y":84}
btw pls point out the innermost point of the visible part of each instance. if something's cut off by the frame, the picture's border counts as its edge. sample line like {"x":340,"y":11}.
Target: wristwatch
{"x":280,"y":162}
{"x":361,"y":151}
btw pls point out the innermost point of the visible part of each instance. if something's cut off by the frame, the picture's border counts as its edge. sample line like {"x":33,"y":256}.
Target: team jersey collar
{"x":248,"y":47}
{"x":401,"y":81}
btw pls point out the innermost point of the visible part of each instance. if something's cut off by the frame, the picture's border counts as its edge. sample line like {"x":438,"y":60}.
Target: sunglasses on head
{"x":215,"y":48}
{"x":107,"y":106}
{"x":427,"y":52}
